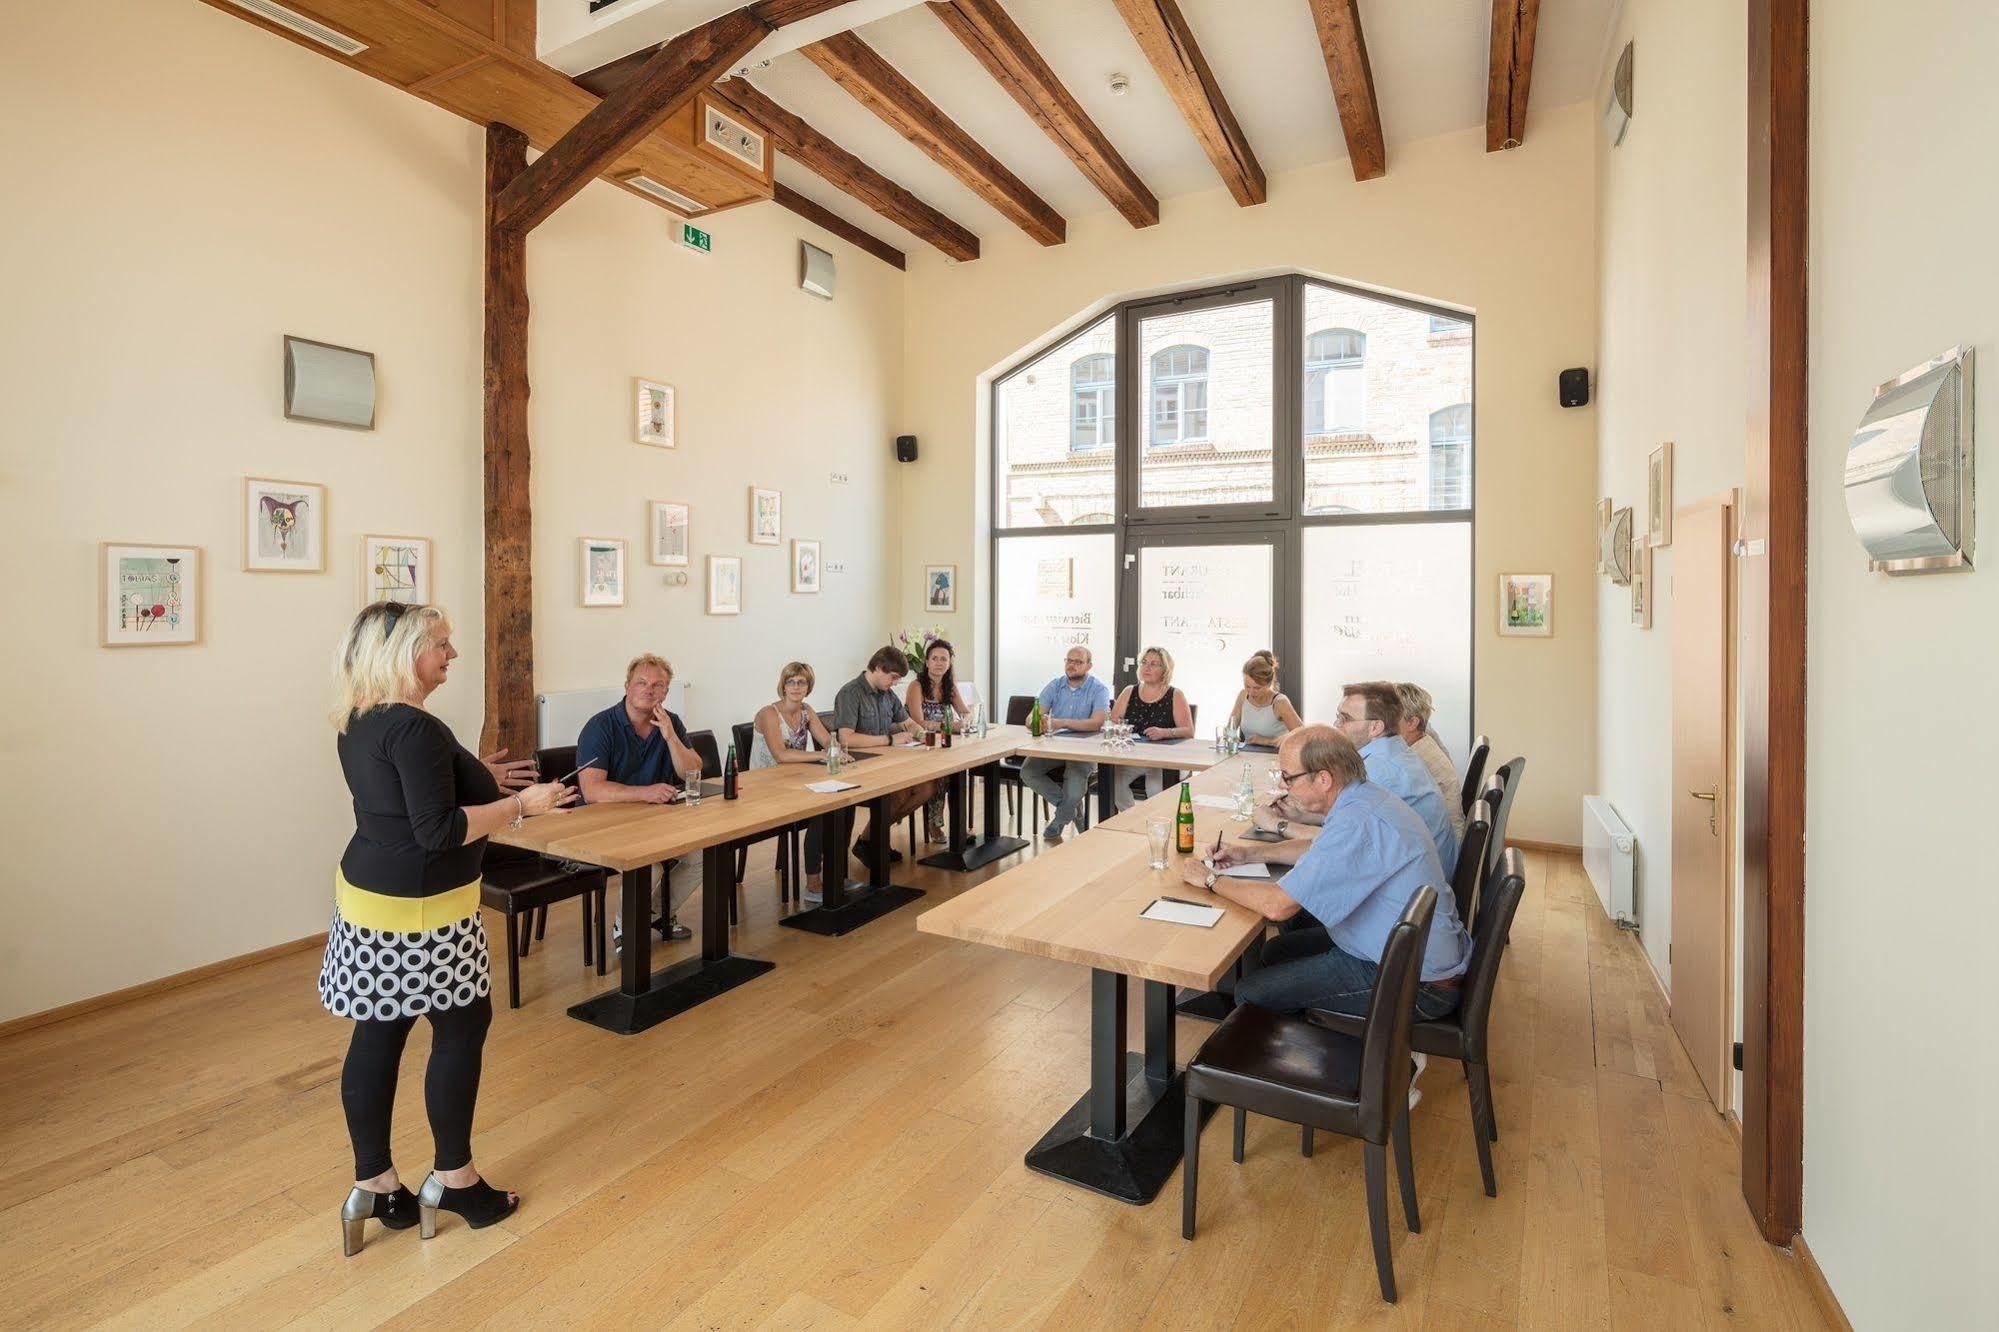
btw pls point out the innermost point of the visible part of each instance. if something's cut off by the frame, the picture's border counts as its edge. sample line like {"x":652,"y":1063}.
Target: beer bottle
{"x":1186,"y":819}
{"x":729,"y":775}
{"x":1034,"y":720}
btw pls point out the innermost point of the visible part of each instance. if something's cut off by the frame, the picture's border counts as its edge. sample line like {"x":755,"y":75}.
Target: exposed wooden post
{"x":509,"y":574}
{"x":1509,"y":72}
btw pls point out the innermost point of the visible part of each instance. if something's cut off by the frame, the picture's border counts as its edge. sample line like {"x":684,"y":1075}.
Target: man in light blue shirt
{"x":1073,"y":701}
{"x":1370,"y":715}
{"x":1349,"y":882}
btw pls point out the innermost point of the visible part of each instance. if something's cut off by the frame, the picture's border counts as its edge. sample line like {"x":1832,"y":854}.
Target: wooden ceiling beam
{"x":668,"y":80}
{"x":1163,"y":34}
{"x":878,"y":86}
{"x":1345,"y":49}
{"x":778,"y":13}
{"x":786,"y":197}
{"x":809,"y":148}
{"x":1512,"y":68}
{"x":997,"y":42}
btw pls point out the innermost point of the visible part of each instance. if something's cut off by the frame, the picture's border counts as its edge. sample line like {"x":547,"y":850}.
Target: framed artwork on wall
{"x":654,"y":424}
{"x":940,"y":588}
{"x":1527,"y":605}
{"x":602,"y":560}
{"x":669,"y":533}
{"x":766,"y":514}
{"x":805,"y":566}
{"x":1603,"y":536}
{"x":150,"y":596}
{"x":1659,"y":496}
{"x":1641,"y":588}
{"x":284,"y":526}
{"x":395,"y":569}
{"x":725,"y":585}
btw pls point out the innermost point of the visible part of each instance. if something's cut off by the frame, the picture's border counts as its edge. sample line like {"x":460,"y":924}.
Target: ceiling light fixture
{"x":1120,"y":85}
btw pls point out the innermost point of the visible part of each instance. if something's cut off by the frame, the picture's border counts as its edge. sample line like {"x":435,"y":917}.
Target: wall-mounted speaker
{"x":815,"y":270}
{"x":905,"y":448}
{"x":1574,"y":387}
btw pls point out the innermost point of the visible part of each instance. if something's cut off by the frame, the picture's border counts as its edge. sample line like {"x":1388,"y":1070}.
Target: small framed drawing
{"x":805,"y":566}
{"x":766,"y":514}
{"x":669,"y":533}
{"x":940,"y":588}
{"x":284,"y":526}
{"x":1527,"y":605}
{"x":654,"y":422}
{"x":150,"y":595}
{"x":1641,"y":587}
{"x":395,"y":569}
{"x":1659,"y":496}
{"x":725,"y":585}
{"x":1603,"y":536}
{"x":603,"y":571}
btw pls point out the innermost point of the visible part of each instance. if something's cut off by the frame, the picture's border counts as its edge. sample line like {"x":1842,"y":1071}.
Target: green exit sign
{"x":694,"y":238}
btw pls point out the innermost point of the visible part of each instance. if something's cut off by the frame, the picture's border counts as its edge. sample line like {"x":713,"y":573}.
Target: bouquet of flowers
{"x":915,"y":646}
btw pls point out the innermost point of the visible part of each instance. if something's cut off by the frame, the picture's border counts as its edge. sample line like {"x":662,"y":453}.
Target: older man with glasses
{"x":1073,"y":701}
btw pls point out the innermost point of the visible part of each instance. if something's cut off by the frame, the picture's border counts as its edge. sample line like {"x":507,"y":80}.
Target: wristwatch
{"x":1211,"y":878}
{"x":1284,"y":827}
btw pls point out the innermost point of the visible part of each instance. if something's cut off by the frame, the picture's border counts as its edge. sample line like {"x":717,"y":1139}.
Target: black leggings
{"x":450,"y":1084}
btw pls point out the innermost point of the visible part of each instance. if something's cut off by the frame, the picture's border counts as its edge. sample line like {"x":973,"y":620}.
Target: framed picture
{"x":284,"y":526}
{"x":1617,"y":554}
{"x":395,"y":569}
{"x":603,"y":565}
{"x":1659,"y":496}
{"x":940,"y":588}
{"x":766,"y":510}
{"x":654,"y":422}
{"x":150,"y":595}
{"x":805,"y":566}
{"x":1603,"y":536}
{"x":669,"y":533}
{"x":725,"y":585}
{"x":1527,"y":605}
{"x":1641,"y":588}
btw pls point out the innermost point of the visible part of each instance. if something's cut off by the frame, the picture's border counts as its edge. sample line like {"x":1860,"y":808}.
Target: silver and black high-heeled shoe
{"x":396,"y":1209}
{"x":480,"y":1204}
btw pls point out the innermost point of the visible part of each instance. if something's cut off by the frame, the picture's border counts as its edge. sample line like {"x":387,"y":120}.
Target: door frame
{"x":1285,"y":609}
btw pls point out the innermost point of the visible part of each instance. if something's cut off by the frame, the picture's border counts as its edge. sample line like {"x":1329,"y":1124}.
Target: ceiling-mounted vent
{"x":672,"y":198}
{"x":310,"y":29}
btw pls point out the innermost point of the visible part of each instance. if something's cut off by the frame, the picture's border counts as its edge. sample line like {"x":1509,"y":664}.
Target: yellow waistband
{"x":403,"y":915}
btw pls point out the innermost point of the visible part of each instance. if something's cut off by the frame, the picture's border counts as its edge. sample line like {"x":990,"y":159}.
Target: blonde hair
{"x":649,"y":659}
{"x":1165,"y":659}
{"x":792,"y":668}
{"x":1262,"y":668}
{"x":1416,"y":702}
{"x":376,"y":662}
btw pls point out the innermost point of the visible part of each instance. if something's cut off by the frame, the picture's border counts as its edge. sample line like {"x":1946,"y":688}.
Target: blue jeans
{"x":1303,"y":968}
{"x":1038,"y":775}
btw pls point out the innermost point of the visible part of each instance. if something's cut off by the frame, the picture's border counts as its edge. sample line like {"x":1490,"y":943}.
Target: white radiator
{"x":1608,"y":848}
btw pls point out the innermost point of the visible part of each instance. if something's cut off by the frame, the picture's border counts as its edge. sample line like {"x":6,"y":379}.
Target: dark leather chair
{"x":1474,"y":772}
{"x":743,"y":735}
{"x":521,"y":886}
{"x":703,"y":744}
{"x":1462,"y":1035}
{"x":1007,"y":771}
{"x":1293,"y":1069}
{"x":1472,"y":860}
{"x":559,"y":761}
{"x":1508,"y":776}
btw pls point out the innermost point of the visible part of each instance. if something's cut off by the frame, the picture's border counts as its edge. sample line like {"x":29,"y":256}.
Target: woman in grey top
{"x":1262,"y":715}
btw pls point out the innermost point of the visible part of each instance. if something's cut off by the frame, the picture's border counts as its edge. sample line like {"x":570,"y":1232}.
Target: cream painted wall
{"x":1672,"y":282}
{"x":1901,"y":1075}
{"x":181,"y":199}
{"x":1506,"y":235}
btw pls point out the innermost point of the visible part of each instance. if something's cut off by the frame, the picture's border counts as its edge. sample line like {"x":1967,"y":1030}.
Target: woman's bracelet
{"x":520,"y":812}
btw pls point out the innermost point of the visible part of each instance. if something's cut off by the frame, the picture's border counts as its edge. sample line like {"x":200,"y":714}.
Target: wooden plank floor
{"x":839,"y":1144}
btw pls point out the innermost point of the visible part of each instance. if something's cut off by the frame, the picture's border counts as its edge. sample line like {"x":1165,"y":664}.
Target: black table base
{"x":847,"y":904}
{"x":964,"y":852}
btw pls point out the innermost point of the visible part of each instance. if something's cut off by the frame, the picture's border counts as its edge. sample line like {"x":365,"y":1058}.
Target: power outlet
{"x":835,"y":566}
{"x":839,"y":478}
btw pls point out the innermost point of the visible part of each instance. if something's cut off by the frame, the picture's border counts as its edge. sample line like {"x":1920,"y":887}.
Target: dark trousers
{"x":450,"y":1084}
{"x":1303,"y":968}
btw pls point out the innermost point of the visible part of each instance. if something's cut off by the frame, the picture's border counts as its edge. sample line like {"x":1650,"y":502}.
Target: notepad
{"x":833,"y":787}
{"x":1182,"y":913}
{"x":1254,"y":869}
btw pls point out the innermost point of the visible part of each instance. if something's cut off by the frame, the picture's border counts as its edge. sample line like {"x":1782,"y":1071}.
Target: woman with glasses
{"x":406,"y":939}
{"x":789,"y":731}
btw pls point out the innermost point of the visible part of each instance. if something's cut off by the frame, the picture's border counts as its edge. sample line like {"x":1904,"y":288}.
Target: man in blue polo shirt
{"x":1073,"y":701}
{"x":635,"y":751}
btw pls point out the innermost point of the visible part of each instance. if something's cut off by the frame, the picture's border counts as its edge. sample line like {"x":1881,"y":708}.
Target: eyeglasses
{"x":1289,"y":777}
{"x":796,"y":680}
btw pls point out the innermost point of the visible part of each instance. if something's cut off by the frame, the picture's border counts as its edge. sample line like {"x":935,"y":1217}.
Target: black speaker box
{"x":905,"y":448}
{"x":1575,"y":387}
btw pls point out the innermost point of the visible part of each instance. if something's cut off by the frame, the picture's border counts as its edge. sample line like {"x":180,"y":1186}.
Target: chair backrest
{"x":1499,"y":900}
{"x":1508,"y":776}
{"x":703,"y":743}
{"x":744,"y":736}
{"x":826,"y":720}
{"x":1474,"y":771}
{"x":1472,"y":861}
{"x":1018,"y":708}
{"x":556,"y":762}
{"x":1384,"y":1057}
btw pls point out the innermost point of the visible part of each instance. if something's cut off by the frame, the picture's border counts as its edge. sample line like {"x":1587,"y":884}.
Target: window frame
{"x":1328,"y":364}
{"x":1104,"y":391}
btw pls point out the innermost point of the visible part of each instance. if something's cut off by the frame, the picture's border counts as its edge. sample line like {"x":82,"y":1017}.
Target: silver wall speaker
{"x":1909,"y":473}
{"x":1617,"y":106}
{"x":815,"y":270}
{"x":328,"y":384}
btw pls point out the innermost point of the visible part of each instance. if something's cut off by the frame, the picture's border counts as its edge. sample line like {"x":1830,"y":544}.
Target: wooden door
{"x":1703,"y":918}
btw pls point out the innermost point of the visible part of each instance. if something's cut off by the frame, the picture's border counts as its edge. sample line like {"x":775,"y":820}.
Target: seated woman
{"x":1261,"y":715}
{"x":789,"y":731}
{"x":1155,"y":710}
{"x":931,"y":695}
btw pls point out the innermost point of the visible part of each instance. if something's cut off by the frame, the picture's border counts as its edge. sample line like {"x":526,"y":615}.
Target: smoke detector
{"x":1120,"y":84}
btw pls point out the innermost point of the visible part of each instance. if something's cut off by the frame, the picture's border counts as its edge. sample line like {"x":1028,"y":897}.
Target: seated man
{"x":1073,"y":701}
{"x":1416,"y":706}
{"x":867,"y":714}
{"x":636,"y":751}
{"x":1349,"y":884}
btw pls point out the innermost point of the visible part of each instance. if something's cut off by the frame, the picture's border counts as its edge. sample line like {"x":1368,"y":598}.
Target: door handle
{"x":1702,"y":795}
{"x":1714,"y":829}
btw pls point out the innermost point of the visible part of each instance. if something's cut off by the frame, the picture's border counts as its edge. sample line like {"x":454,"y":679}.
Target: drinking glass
{"x":1155,"y":842}
{"x":690,"y":778}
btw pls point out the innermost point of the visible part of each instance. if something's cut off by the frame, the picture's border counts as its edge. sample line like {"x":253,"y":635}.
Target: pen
{"x":1181,"y":901}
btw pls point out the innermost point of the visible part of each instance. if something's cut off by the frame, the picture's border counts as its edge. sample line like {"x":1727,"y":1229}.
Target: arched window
{"x":1335,"y":381}
{"x":1093,"y":403}
{"x":1179,"y":395}
{"x":1450,"y":457}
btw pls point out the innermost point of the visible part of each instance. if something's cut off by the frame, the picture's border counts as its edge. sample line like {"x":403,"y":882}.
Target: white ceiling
{"x":1429,"y":59}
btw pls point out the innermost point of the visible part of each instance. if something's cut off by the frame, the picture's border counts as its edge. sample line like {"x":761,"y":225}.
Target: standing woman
{"x":1154,"y":709}
{"x":406,"y":939}
{"x":932,"y":694}
{"x":1261,"y":715}
{"x":789,"y":731}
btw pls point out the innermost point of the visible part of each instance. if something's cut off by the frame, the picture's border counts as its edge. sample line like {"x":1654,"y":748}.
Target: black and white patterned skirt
{"x":382,"y":974}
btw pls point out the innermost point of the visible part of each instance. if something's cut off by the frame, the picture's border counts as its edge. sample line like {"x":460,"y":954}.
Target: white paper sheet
{"x":1255,"y":869}
{"x":833,"y":787}
{"x":1214,"y":801}
{"x":1183,"y":913}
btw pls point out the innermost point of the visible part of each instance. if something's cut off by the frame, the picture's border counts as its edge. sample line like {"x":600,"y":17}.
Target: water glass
{"x":691,"y":778}
{"x":1156,"y":831}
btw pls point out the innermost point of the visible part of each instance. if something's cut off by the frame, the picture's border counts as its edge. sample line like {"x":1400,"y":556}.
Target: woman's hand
{"x":1158,"y":732}
{"x":516,"y":775}
{"x":545,"y":796}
